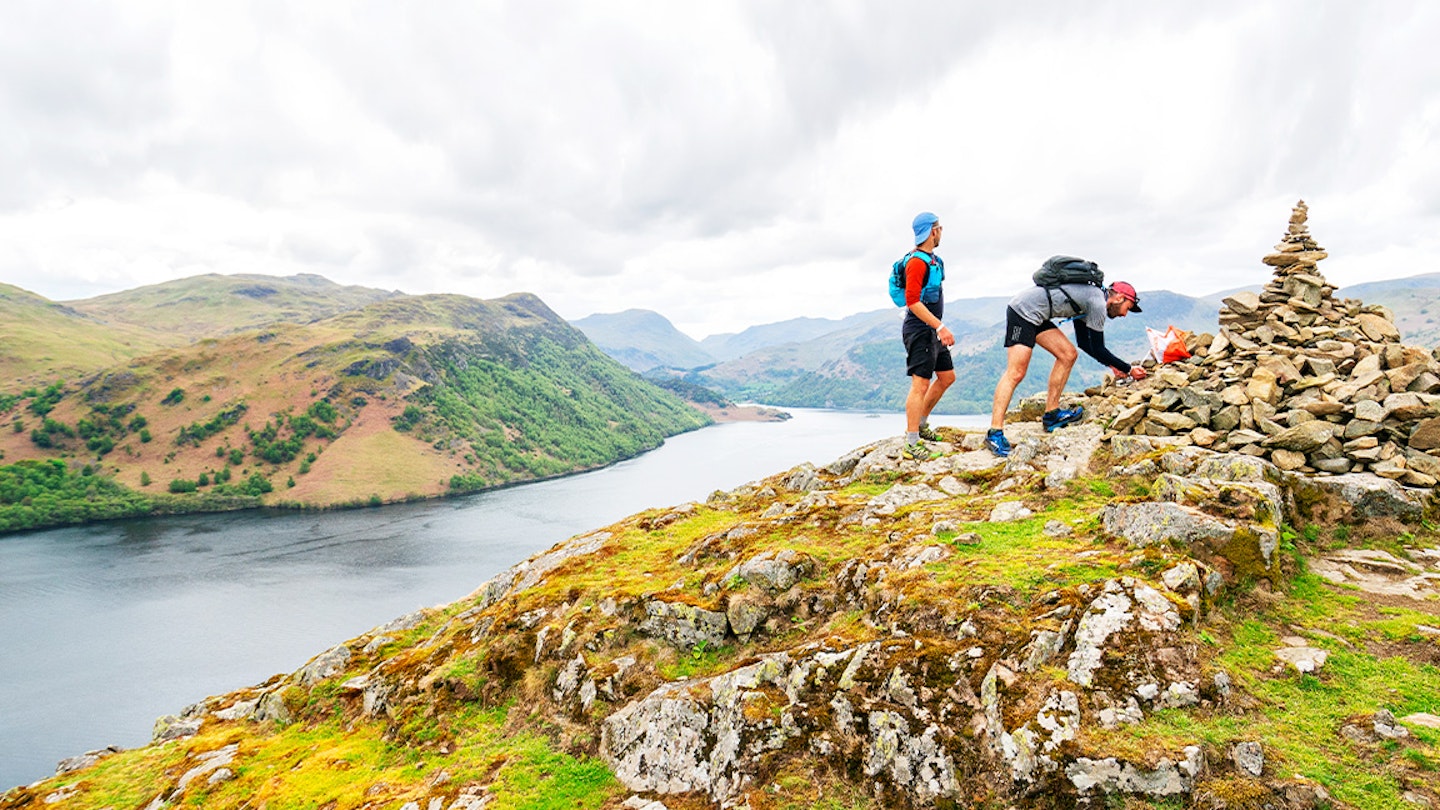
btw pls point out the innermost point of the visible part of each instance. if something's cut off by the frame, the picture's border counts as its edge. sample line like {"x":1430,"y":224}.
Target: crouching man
{"x":1030,"y":321}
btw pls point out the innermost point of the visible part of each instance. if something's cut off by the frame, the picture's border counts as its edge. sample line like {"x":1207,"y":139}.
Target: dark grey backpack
{"x":1058,"y":270}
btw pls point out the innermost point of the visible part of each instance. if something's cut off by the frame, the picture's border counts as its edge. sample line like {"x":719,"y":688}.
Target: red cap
{"x":1124,"y":288}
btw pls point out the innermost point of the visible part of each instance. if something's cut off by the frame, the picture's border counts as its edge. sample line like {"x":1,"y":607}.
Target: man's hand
{"x":1138,"y":373}
{"x":946,"y":336}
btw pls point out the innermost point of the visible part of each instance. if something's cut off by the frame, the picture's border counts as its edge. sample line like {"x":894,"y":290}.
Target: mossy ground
{"x":488,"y":717}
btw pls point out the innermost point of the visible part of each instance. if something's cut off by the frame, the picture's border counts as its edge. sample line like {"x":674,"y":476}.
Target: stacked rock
{"x":1314,"y":383}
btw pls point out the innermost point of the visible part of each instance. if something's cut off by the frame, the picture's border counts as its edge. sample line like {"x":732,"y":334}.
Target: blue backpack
{"x":934,"y":275}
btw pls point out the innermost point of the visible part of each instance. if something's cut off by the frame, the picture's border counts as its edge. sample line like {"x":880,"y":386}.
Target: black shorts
{"x":925,"y":354}
{"x":1020,"y":332}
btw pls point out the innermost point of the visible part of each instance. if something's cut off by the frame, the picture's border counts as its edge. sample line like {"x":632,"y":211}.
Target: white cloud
{"x":724,"y":164}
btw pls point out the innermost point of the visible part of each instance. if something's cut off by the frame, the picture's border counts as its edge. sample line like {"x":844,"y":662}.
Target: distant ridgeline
{"x":858,"y":362}
{"x":384,"y":398}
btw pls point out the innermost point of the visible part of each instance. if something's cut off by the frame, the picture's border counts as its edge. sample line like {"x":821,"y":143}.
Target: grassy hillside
{"x":213,"y":305}
{"x":405,"y":398}
{"x":43,"y":340}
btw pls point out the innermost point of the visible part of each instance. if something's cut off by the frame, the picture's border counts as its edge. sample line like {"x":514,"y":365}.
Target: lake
{"x":106,"y":627}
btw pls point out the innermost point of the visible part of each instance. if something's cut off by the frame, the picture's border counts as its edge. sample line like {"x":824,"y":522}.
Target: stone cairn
{"x":1316,"y":384}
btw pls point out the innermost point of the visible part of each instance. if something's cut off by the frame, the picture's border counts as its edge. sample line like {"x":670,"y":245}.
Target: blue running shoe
{"x":1060,"y":417}
{"x":996,"y":442}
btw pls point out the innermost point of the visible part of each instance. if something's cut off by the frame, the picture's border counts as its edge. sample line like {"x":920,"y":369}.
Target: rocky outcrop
{"x":963,"y":631}
{"x":1314,"y":384}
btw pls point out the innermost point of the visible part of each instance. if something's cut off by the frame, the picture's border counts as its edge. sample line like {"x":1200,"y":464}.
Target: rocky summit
{"x":1189,"y":600}
{"x":1314,"y":384}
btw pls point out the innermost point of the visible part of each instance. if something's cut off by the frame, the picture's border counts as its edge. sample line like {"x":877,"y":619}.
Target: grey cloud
{"x":80,"y":84}
{"x":310,"y":249}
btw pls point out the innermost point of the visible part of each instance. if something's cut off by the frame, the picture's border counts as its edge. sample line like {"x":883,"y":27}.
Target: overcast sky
{"x":723,"y":163}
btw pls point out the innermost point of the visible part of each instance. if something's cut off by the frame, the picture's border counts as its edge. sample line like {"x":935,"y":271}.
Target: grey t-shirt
{"x":1031,"y":304}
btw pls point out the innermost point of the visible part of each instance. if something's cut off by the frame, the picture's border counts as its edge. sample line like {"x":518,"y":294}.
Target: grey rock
{"x":1367,"y":496}
{"x":524,"y":575}
{"x":847,"y":462}
{"x":1370,"y":411}
{"x":1113,"y":776}
{"x":1057,"y":528}
{"x":774,"y":571}
{"x":745,"y":613}
{"x":1108,"y":614}
{"x":953,"y":486}
{"x":169,"y":727}
{"x":1258,"y":501}
{"x":209,"y":762}
{"x":902,"y":495}
{"x":695,"y":736}
{"x":919,"y":557}
{"x":272,"y":708}
{"x":801,"y":479}
{"x":1183,"y":578}
{"x":1385,"y":726}
{"x":1304,"y":659}
{"x":400,"y":624}
{"x":1009,"y":510}
{"x":1304,"y":437}
{"x":325,"y":665}
{"x":89,"y":758}
{"x":1237,"y":467}
{"x":1407,"y":406}
{"x":1148,"y":523}
{"x":919,"y":763}
{"x":1046,"y":644}
{"x":683,"y":625}
{"x":1332,"y":465}
{"x":1422,"y":719}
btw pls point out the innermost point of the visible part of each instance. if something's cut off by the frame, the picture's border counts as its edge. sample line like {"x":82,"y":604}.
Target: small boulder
{"x":1305,"y":660}
{"x":1009,"y":510}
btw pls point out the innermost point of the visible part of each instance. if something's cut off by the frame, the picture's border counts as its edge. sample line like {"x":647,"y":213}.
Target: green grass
{"x":1297,"y":718}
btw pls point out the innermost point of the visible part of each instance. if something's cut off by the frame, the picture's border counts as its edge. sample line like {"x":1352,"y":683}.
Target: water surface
{"x":105,"y":627}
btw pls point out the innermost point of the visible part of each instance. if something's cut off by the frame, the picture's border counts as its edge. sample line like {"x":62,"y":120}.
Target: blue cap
{"x":924,"y":221}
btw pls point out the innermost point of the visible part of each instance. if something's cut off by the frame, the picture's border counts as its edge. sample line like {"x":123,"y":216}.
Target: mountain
{"x":41,"y":339}
{"x":213,"y":305}
{"x":1065,"y":632}
{"x":406,"y":397}
{"x":642,"y":340}
{"x":1415,"y":302}
{"x":729,"y":346}
{"x":863,"y":366}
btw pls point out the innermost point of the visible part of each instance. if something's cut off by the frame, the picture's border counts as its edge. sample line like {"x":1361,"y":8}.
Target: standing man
{"x":1028,"y":322}
{"x":927,"y":341}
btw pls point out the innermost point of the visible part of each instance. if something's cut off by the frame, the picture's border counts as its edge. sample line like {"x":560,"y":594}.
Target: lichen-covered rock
{"x":902,"y":495}
{"x":1254,"y":501}
{"x":1110,"y":775}
{"x":1151,"y":523}
{"x":1357,"y":497}
{"x":801,"y":479}
{"x":683,"y":625}
{"x":1241,"y":543}
{"x":1116,"y":609}
{"x":774,"y":571}
{"x":746,"y":612}
{"x":169,"y":727}
{"x":917,"y":764}
{"x":325,"y":665}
